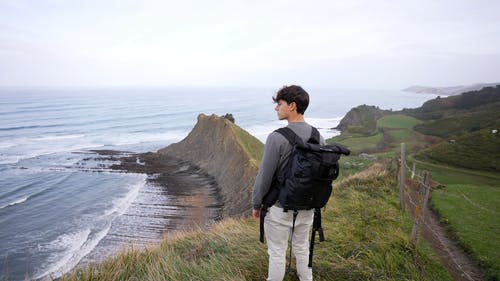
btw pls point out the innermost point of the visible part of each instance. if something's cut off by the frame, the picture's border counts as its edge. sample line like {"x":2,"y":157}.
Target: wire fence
{"x":420,"y":187}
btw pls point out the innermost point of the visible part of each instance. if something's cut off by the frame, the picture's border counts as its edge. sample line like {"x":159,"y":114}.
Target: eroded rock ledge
{"x":222,"y":150}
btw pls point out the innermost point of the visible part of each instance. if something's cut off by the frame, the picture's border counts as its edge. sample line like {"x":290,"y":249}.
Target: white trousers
{"x":278,"y":227}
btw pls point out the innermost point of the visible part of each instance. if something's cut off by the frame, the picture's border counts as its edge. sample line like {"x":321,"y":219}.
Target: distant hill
{"x":449,"y":91}
{"x":456,"y":115}
{"x":226,"y":152}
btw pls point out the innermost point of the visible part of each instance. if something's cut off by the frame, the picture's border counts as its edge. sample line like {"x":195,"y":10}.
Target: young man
{"x":292,"y":101}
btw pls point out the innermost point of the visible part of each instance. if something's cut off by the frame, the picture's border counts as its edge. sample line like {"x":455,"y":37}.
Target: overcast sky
{"x":339,"y":44}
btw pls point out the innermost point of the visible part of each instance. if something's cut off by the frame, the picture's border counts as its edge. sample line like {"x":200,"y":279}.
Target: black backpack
{"x":307,"y":182}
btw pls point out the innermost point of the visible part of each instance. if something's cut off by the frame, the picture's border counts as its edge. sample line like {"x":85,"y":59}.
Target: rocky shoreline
{"x":194,"y":189}
{"x":177,"y":196}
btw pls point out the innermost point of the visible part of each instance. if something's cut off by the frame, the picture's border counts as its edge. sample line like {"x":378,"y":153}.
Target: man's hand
{"x":256,"y":213}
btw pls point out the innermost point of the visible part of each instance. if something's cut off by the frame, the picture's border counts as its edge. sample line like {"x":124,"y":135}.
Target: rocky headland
{"x":224,"y":155}
{"x":227,"y":153}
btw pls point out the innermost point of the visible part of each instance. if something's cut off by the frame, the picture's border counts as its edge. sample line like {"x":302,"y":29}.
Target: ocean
{"x":56,"y":208}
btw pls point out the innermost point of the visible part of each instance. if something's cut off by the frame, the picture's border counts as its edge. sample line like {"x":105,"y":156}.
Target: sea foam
{"x":69,"y":249}
{"x":75,"y":246}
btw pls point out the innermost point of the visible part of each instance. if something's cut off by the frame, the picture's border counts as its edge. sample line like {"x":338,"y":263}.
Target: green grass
{"x":366,"y":239}
{"x":398,"y":128}
{"x":358,"y":144}
{"x":371,"y":230}
{"x":400,"y":136}
{"x":471,"y":212}
{"x":469,"y":205}
{"x":455,"y":175}
{"x":398,"y":121}
{"x":352,"y":164}
{"x":252,"y":145}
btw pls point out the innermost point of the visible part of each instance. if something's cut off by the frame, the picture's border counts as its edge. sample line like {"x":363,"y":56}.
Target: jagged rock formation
{"x":226,"y":152}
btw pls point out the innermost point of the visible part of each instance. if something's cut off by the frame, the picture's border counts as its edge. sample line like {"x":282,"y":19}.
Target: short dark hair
{"x":294,"y":94}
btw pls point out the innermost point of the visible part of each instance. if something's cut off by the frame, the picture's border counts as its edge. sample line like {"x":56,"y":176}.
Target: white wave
{"x":23,"y":148}
{"x":69,"y":249}
{"x":58,"y":137}
{"x":19,"y":201}
{"x":69,"y":244}
{"x":15,"y":202}
{"x":9,"y":159}
{"x":120,"y":205}
{"x":76,"y":246}
{"x":4,"y":145}
{"x":29,"y":148}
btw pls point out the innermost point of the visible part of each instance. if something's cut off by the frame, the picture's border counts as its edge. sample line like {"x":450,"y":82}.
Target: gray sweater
{"x":276,"y":154}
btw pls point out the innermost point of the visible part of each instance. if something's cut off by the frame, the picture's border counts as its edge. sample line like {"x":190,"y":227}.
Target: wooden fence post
{"x":402,"y":179}
{"x":420,"y":207}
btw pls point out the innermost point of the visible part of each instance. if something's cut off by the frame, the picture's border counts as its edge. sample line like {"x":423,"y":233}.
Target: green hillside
{"x":463,"y":120}
{"x":391,"y":130}
{"x":454,"y":105}
{"x":462,"y":123}
{"x":478,"y":150}
{"x":457,"y":115}
{"x":466,"y":123}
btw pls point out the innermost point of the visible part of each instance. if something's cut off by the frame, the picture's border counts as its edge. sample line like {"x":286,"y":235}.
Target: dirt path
{"x":453,"y":257}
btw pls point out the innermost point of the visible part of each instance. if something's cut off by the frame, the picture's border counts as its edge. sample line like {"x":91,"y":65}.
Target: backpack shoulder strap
{"x":293,"y":139}
{"x":290,"y":135}
{"x":315,"y":138}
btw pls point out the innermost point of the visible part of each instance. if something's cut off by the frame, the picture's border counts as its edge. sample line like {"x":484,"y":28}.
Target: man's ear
{"x":293,"y":106}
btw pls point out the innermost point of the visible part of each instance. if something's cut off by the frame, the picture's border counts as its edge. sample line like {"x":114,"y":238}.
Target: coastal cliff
{"x":227,"y":153}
